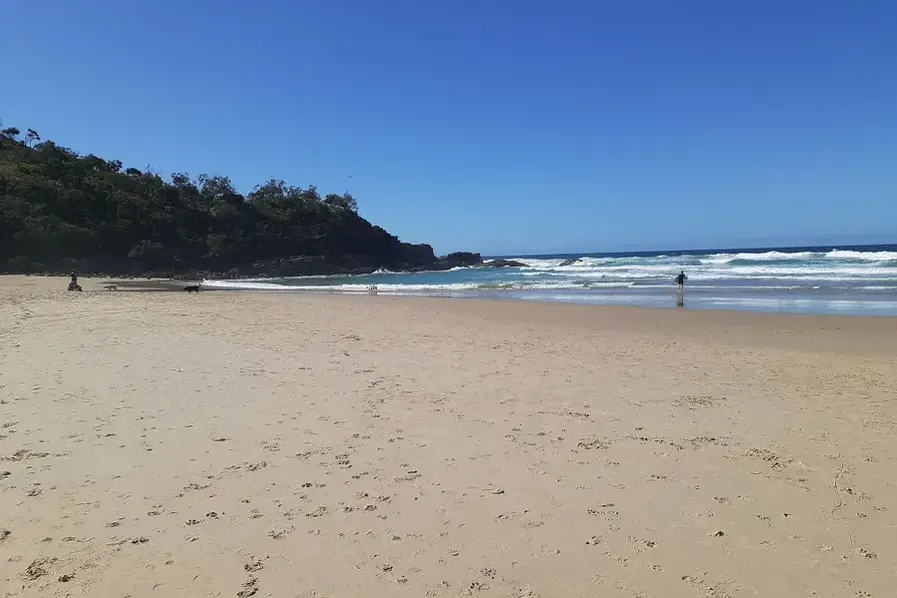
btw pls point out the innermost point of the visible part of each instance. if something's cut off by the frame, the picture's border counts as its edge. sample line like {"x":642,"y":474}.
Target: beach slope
{"x":239,"y":444}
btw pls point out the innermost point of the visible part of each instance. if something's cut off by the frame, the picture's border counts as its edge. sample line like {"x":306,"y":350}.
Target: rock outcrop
{"x":504,"y":264}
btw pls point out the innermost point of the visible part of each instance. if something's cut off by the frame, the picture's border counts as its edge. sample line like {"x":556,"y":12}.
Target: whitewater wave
{"x":258,"y":285}
{"x":768,"y":256}
{"x":831,"y":266}
{"x":831,"y":273}
{"x":662,"y":272}
{"x":590,"y":261}
{"x":865,"y":256}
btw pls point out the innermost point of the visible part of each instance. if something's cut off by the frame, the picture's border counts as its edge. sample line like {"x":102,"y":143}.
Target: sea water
{"x":836,"y":280}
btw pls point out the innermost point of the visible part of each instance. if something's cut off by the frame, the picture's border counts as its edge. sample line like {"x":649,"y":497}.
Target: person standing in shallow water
{"x":680,"y":280}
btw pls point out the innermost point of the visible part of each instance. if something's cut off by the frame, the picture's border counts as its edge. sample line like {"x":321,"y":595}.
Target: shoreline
{"x":832,"y":333}
{"x":665,"y":302}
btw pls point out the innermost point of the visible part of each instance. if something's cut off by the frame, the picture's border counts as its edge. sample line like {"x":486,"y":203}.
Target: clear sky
{"x":504,"y":126}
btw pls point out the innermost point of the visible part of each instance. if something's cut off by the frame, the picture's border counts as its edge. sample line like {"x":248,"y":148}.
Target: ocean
{"x":849,"y":280}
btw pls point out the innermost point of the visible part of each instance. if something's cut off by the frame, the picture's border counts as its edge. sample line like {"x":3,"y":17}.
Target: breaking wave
{"x":834,"y":272}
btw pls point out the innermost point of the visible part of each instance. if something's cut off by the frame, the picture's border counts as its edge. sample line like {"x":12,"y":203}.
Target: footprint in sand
{"x":250,"y":588}
{"x":409,"y":477}
{"x":593,"y":443}
{"x":253,"y":566}
{"x":37,"y":569}
{"x":319,"y":512}
{"x":474,"y":587}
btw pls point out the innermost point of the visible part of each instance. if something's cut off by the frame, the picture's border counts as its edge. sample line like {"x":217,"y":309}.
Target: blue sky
{"x":504,"y":126}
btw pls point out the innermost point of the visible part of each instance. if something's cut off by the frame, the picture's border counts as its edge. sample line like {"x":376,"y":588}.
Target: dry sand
{"x":231,"y":444}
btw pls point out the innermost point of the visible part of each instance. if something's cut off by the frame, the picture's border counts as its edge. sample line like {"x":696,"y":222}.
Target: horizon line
{"x":783,"y":248}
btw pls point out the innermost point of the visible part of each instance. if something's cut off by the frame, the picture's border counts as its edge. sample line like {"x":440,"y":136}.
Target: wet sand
{"x":238,"y":444}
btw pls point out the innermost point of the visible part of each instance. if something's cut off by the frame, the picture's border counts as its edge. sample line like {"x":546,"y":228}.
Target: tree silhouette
{"x":31,"y":138}
{"x":11,"y":133}
{"x":61,"y":211}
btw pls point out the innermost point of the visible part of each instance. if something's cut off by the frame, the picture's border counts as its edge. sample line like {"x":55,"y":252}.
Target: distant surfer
{"x":680,"y":280}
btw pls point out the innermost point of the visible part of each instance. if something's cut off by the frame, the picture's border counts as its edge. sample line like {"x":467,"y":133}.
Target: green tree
{"x":61,"y":211}
{"x":11,"y":133}
{"x":31,"y":137}
{"x":341,"y":202}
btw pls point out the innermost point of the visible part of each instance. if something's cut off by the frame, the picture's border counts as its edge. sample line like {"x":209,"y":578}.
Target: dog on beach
{"x":192,"y":288}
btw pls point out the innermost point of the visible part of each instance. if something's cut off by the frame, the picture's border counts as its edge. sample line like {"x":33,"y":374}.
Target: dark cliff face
{"x":60,"y":211}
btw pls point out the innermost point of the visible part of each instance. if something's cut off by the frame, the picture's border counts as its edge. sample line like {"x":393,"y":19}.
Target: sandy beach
{"x":287,"y":445}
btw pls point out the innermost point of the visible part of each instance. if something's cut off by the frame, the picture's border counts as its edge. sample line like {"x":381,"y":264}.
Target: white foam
{"x":871,"y":256}
{"x":249,"y":284}
{"x":403,"y":289}
{"x":751,"y":271}
{"x":336,"y":288}
{"x":767,"y":256}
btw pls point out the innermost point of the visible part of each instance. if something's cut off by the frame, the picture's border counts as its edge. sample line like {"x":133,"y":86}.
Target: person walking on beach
{"x":680,"y":280}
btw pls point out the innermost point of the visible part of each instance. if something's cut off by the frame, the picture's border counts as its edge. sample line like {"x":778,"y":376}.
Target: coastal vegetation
{"x":63,"y":211}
